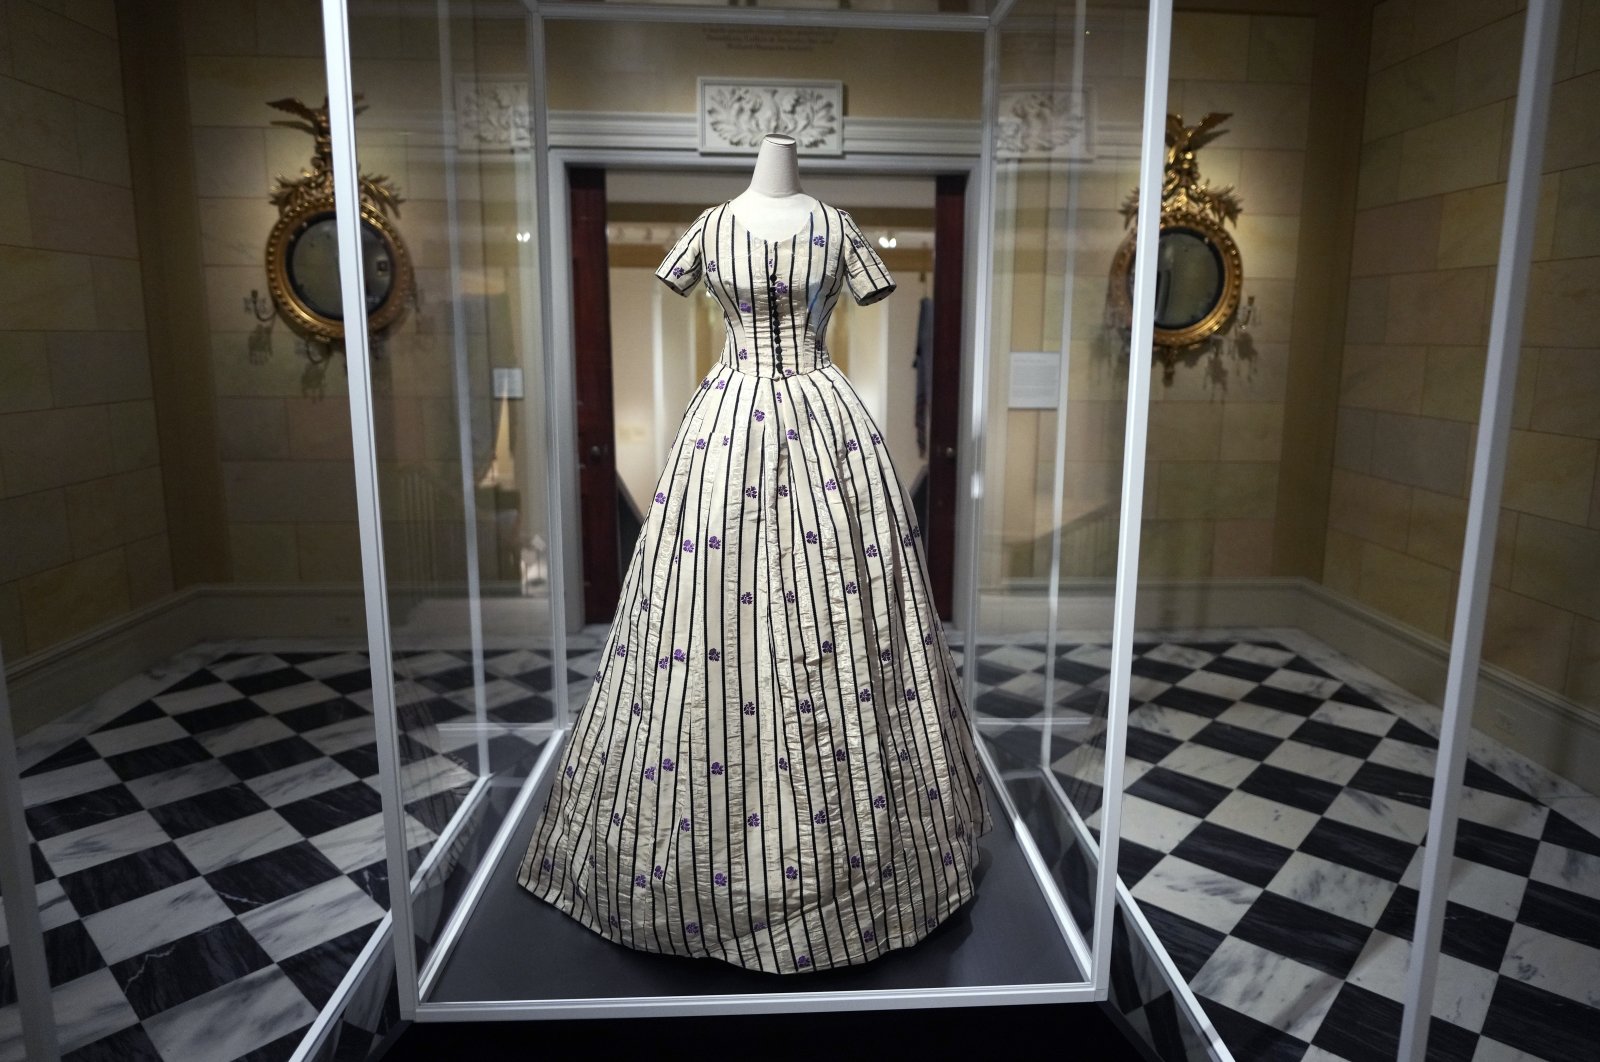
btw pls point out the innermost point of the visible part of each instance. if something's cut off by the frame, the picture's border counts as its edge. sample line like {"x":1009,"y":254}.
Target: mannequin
{"x":774,"y":207}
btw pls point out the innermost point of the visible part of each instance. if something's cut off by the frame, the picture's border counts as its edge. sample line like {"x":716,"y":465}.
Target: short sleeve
{"x":680,"y":270}
{"x":868,"y":277}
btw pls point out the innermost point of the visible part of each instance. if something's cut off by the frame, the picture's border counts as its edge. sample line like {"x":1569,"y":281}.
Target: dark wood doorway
{"x":599,"y":489}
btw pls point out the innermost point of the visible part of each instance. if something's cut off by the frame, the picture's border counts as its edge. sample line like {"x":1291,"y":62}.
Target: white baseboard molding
{"x":1550,"y":730}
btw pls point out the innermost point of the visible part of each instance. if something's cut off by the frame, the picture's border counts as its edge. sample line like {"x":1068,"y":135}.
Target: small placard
{"x":508,"y":383}
{"x":1035,"y":379}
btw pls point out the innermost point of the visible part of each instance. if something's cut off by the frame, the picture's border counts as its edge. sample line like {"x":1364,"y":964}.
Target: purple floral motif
{"x":949,"y":858}
{"x":868,"y":935}
{"x":685,"y":825}
{"x":592,"y":860}
{"x":911,"y":694}
{"x":719,"y":878}
{"x":855,"y":861}
{"x":744,"y":307}
{"x":692,"y":929}
{"x":780,"y":288}
{"x":927,"y":639}
{"x":640,"y":880}
{"x":705,"y":383}
{"x":852,"y":446}
{"x":622,"y":648}
{"x":777,"y":396}
{"x":612,"y":919}
{"x":865,"y":693}
{"x":726,"y":439}
{"x":783,"y":490}
{"x":827,"y":646}
{"x":571,"y":770}
{"x":850,"y":587}
{"x":663,"y":663}
{"x":714,"y":542}
{"x":616,"y":818}
{"x":668,"y":765}
{"x":933,"y":792}
{"x":722,"y":385}
{"x":743,"y":354}
{"x":820,"y":817}
{"x":931,"y":922}
{"x":791,"y":873}
{"x":839,"y":754}
{"x":713,"y":655}
{"x":878,"y":801}
{"x":637,"y":709}
{"x":905,"y":754}
{"x":711,"y":266}
{"x":788,"y":372}
{"x":792,"y":434}
{"x":805,"y":706}
{"x":746,"y":598}
{"x":876,"y":438}
{"x":788,"y":595}
{"x":679,"y":655}
{"x":644,"y":606}
{"x":677,"y":271}
{"x":547,"y":863}
{"x":749,"y":707}
{"x":650,"y":773}
{"x":819,"y":241}
{"x":716,"y":767}
{"x":699,"y":444}
{"x":811,"y":537}
{"x":888,"y":870}
{"x":783,"y":763}
{"x":750,"y":492}
{"x":857,"y":242}
{"x":753,"y":820}
{"x":661,"y":499}
{"x":832,"y":484}
{"x":905,"y":539}
{"x":804,"y":960}
{"x":872,"y":549}
{"x":759,"y":924}
{"x":760,"y":414}
{"x":886,"y":655}
{"x":660,"y":872}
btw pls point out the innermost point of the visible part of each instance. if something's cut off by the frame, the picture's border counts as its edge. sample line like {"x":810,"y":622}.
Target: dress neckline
{"x":811,"y":216}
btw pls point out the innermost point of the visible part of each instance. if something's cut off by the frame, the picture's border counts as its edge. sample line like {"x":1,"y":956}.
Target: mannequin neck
{"x":777,"y":170}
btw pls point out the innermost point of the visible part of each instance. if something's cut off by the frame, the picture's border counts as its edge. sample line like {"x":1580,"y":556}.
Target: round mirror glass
{"x":1189,"y":278}
{"x":313,"y":266}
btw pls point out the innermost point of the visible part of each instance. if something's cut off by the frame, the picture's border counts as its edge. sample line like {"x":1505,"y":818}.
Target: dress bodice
{"x":776,"y":295}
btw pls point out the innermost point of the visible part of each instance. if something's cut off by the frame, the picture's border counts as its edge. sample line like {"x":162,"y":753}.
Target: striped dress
{"x":774,"y":766}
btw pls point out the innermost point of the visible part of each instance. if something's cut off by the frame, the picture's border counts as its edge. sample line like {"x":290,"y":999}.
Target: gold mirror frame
{"x":1187,"y":203}
{"x":310,"y":196}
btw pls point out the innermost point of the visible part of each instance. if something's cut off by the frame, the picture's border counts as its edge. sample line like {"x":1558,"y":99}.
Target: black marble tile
{"x":374,"y":881}
{"x":1150,"y":747}
{"x":1305,"y":667}
{"x":315,"y":716}
{"x":1545,"y":1025}
{"x":435,"y":810}
{"x":273,"y":756}
{"x":361,"y":762}
{"x":1562,"y":913}
{"x":333,"y":808}
{"x":1079,"y":672}
{"x":447,"y":681}
{"x":349,"y":682}
{"x":1304,"y":933}
{"x":85,"y":809}
{"x":1134,"y":861}
{"x":1290,"y":789}
{"x":1404,"y":731}
{"x":1480,"y":777}
{"x":511,"y":756}
{"x":1474,"y":936}
{"x":1193,"y":701}
{"x":541,"y":678}
{"x":534,"y":708}
{"x":1336,"y":738}
{"x":1007,"y":705}
{"x":1399,"y":917}
{"x":255,"y":882}
{"x":154,"y":758}
{"x":264,"y":681}
{"x":1174,"y":790}
{"x":105,"y":885}
{"x":70,"y":953}
{"x":1348,"y":694}
{"x":1302,"y":704}
{"x":205,"y":810}
{"x":1558,"y":829}
{"x":1450,"y":1043}
{"x":1495,"y":847}
{"x":1361,"y":1026}
{"x":1239,"y":740}
{"x":1363,"y":850}
{"x":139,"y":713}
{"x":218,"y":715}
{"x":131,"y":1044}
{"x":71,"y":755}
{"x":1236,"y":668}
{"x":992,"y":674}
{"x":188,"y":967}
{"x":318,"y":971}
{"x":1160,"y":670}
{"x":280,"y":1050}
{"x":1188,"y":943}
{"x":1235,"y":854}
{"x":1393,"y":783}
{"x":1248,"y":1038}
{"x":196,"y":680}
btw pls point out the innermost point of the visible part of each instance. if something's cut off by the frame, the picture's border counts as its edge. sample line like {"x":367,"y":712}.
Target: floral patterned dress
{"x":775,"y":766}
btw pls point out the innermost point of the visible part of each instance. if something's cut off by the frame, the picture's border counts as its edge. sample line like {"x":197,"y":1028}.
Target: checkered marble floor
{"x":1276,"y":801}
{"x":210,"y":860}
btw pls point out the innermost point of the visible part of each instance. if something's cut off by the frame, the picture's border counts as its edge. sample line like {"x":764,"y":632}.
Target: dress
{"x":775,"y":766}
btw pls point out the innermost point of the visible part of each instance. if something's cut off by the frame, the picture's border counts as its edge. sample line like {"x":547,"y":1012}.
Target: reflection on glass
{"x":314,"y":266}
{"x":1188,"y":278}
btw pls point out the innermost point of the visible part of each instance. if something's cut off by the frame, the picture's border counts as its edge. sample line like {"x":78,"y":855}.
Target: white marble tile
{"x":1503,"y":812}
{"x":287,"y":698}
{"x":359,"y":844}
{"x":234,"y":842}
{"x":54,"y":909}
{"x":137,"y":736}
{"x":330,"y":666}
{"x":1354,"y":717}
{"x":432,"y":774}
{"x":247,"y":734}
{"x":1284,"y":994}
{"x":179,"y":783}
{"x":89,"y":1008}
{"x":1260,"y":654}
{"x":66,"y":782}
{"x":1583,"y":811}
{"x":1265,"y":819}
{"x":255,"y":664}
{"x":1218,"y":685}
{"x":344,"y":735}
{"x":184,"y":701}
{"x":1489,"y":1050}
{"x":1404,"y":756}
{"x":1015,"y":656}
{"x":1142,"y":689}
{"x":1300,"y":682}
{"x":1261,"y":719}
{"x":1381,"y":967}
{"x":1200,"y":895}
{"x":517,"y":663}
{"x":1389,"y":818}
{"x":93,"y":845}
{"x":288,"y":784}
{"x":1182,"y":655}
{"x":1554,"y":964}
{"x":157,"y":918}
{"x":1154,"y":825}
{"x":291,"y":925}
{"x":1323,"y":764}
{"x":1168,"y":722}
{"x":449,"y":737}
{"x":427,"y":664}
{"x":233,"y":1020}
{"x":1480,"y":887}
{"x":1338,"y":890}
{"x":1095,"y":655}
{"x":1569,"y":869}
{"x":1462,"y":992}
{"x":1209,"y":764}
